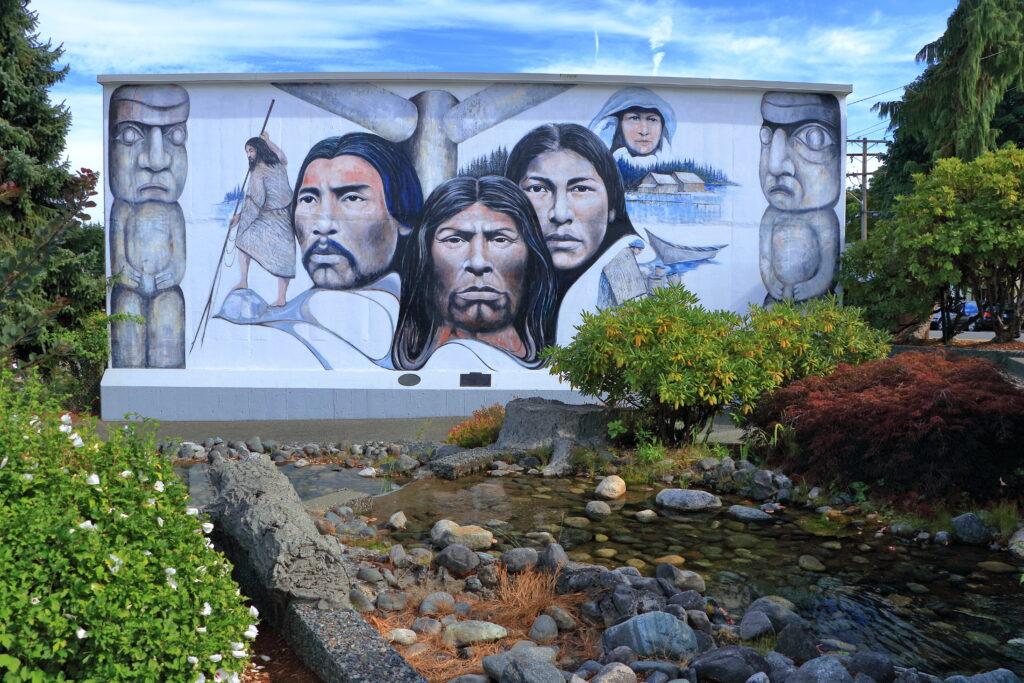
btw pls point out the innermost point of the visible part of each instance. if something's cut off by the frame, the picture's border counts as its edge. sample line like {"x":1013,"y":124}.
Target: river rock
{"x":827,"y":669}
{"x":361,"y":602}
{"x":365,"y":472}
{"x":457,"y":559}
{"x":687,"y":500}
{"x":445,"y":532}
{"x":730,"y":664}
{"x":544,"y":630}
{"x":778,"y":609}
{"x":463,"y":633}
{"x":563,"y":620}
{"x":437,"y":603}
{"x":646,"y":516}
{"x":968,"y":528}
{"x":369,"y":574}
{"x":615,"y":672}
{"x":688,"y":599}
{"x":531,"y":671}
{"x":655,"y":634}
{"x":997,"y":567}
{"x":682,"y":579}
{"x":402,"y":636}
{"x":552,"y":558}
{"x":519,"y":560}
{"x":390,"y":601}
{"x":495,"y":665}
{"x":996,"y":676}
{"x":610,"y":488}
{"x":428,"y":626}
{"x":749,"y":514}
{"x":1016,"y":544}
{"x":532,"y":423}
{"x":797,"y":641}
{"x":810,"y":563}
{"x":754,"y":625}
{"x":397,"y":521}
{"x":597,"y":510}
{"x":877,"y":665}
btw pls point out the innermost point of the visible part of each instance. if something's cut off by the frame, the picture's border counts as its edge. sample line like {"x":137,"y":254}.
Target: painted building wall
{"x":373,"y":230}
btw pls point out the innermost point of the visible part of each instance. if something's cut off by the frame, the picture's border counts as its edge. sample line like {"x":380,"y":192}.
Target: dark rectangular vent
{"x":475,"y":379}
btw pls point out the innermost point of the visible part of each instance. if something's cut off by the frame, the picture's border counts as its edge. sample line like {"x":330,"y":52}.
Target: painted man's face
{"x":571,"y":203}
{"x":148,"y":160}
{"x":800,"y":157}
{"x":479,"y":262}
{"x":346,"y":234}
{"x":641,"y":130}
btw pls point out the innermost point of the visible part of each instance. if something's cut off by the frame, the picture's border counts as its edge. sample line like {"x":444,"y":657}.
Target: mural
{"x":453,"y":229}
{"x":147,"y":167}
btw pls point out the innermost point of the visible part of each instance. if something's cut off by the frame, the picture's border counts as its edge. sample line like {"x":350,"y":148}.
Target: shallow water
{"x":956,"y":617}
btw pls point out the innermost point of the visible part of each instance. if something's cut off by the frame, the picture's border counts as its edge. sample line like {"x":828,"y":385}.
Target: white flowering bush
{"x":105,"y":574}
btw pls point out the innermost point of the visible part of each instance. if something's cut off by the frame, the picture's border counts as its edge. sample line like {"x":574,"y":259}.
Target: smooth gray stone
{"x":544,"y":630}
{"x":462,"y":633}
{"x":754,"y":625}
{"x":458,"y":559}
{"x":614,"y":672}
{"x":687,"y":500}
{"x":878,"y":665}
{"x":968,"y":528}
{"x":391,"y":602}
{"x":797,"y":641}
{"x":426,"y":626}
{"x":519,"y":560}
{"x":531,"y":671}
{"x":495,"y":665}
{"x":827,"y":669}
{"x":996,"y":676}
{"x":437,"y":603}
{"x":655,"y":634}
{"x":732,"y":664}
{"x":745,"y":513}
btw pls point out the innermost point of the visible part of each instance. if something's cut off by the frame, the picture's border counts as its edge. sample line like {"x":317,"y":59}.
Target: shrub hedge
{"x":480,"y":430}
{"x":921,"y":426}
{"x":107,"y":576}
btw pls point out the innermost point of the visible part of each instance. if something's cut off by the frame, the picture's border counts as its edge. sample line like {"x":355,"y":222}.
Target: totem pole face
{"x":148,"y":160}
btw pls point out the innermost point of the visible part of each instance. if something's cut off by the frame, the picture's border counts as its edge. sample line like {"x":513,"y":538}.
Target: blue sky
{"x":870,"y":44}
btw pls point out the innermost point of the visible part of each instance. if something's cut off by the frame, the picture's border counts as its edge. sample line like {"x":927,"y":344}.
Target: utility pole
{"x":863,"y":176}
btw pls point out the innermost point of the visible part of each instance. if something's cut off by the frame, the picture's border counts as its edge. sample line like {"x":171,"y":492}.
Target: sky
{"x":869,"y":44}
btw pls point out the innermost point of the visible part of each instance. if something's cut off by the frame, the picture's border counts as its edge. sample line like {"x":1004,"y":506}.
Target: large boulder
{"x":1016,"y":544}
{"x":280,"y":555}
{"x":536,"y":422}
{"x":687,"y":500}
{"x":968,"y":528}
{"x":655,"y":634}
{"x":827,"y":669}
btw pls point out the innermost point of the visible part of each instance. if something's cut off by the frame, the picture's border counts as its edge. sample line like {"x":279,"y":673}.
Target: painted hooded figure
{"x":637,"y":125}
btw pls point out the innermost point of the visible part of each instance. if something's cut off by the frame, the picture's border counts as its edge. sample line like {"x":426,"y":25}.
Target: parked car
{"x":968,"y":310}
{"x":987,"y":321}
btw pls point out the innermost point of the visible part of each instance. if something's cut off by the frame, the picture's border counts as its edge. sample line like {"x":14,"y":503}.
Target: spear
{"x":205,"y":317}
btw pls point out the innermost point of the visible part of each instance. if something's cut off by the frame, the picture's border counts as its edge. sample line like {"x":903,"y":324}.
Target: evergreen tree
{"x":33,"y":181}
{"x":971,"y":68}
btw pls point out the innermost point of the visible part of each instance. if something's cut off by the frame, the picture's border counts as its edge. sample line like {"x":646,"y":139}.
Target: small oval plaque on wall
{"x":408,"y":379}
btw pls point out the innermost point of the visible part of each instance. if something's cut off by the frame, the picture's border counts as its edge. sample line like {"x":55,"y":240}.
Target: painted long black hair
{"x":264,"y":155}
{"x":420,"y":323}
{"x":553,"y":137}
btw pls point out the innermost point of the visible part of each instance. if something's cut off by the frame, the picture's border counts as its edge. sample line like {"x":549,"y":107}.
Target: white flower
{"x":207,"y":527}
{"x":253,"y":612}
{"x":76,"y":440}
{"x":192,"y":511}
{"x":207,"y":610}
{"x":125,"y":474}
{"x":172,"y":583}
{"x":146,"y":553}
{"x":239,"y":654}
{"x":159,"y":521}
{"x":81,"y":633}
{"x":93,"y":480}
{"x":192,"y":660}
{"x":34,"y":601}
{"x":237,"y":646}
{"x":3,"y":463}
{"x":170,"y":571}
{"x":200,"y":629}
{"x":151,"y":501}
{"x":117,"y":562}
{"x":65,"y":419}
{"x":28,"y":477}
{"x":124,"y":516}
{"x":66,"y":428}
{"x":251,"y":632}
{"x":215,"y":658}
{"x":201,"y":569}
{"x":159,"y":486}
{"x":200,"y":678}
{"x":87,"y":525}
{"x":143,"y":477}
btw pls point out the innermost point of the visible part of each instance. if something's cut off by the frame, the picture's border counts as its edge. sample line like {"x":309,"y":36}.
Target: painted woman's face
{"x":641,"y":130}
{"x":571,"y":202}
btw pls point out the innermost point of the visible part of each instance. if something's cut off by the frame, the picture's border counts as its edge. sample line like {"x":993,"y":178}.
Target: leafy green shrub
{"x":676,"y":363}
{"x":931,"y":425}
{"x":106,"y":575}
{"x":815,"y":336}
{"x":480,"y":430}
